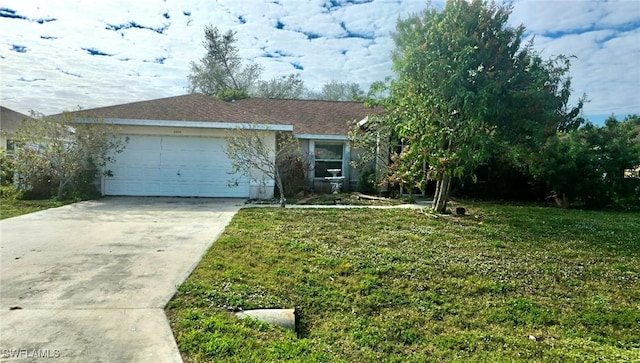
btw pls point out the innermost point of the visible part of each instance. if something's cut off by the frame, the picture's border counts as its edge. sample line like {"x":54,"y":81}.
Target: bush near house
{"x":587,"y":167}
{"x":7,"y":168}
{"x":60,"y":156}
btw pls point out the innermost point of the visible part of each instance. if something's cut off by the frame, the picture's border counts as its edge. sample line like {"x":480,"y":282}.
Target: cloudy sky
{"x":59,"y":55}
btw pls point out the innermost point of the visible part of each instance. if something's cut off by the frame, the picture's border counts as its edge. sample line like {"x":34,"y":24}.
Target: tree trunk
{"x":441,"y":195}
{"x":280,"y":188}
{"x":61,"y":186}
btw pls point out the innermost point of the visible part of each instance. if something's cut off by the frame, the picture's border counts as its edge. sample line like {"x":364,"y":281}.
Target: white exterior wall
{"x":261,"y":186}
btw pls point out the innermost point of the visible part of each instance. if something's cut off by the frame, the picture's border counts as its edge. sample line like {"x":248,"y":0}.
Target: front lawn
{"x":506,"y":283}
{"x":12,"y":207}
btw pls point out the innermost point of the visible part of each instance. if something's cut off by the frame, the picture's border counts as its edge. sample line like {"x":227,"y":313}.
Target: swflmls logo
{"x":30,"y":353}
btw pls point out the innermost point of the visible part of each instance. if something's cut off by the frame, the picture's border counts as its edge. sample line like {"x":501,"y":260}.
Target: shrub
{"x":58,"y":151}
{"x":42,"y":187}
{"x":7,"y":168}
{"x":293,"y":169}
{"x":7,"y":191}
{"x":367,"y":183}
{"x":231,"y":94}
{"x":83,"y":186}
{"x":587,"y":166}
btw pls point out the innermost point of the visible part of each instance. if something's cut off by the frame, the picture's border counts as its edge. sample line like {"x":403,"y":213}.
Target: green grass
{"x":12,"y":207}
{"x":505,"y":283}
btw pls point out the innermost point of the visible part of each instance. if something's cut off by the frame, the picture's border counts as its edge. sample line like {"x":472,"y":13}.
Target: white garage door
{"x":173,"y":166}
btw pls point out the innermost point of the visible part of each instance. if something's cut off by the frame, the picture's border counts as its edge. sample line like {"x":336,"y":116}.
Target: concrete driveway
{"x":88,"y":282}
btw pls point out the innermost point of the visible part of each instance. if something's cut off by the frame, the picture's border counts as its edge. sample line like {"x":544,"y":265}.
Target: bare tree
{"x":290,"y":87}
{"x":338,"y":91}
{"x":250,"y":150}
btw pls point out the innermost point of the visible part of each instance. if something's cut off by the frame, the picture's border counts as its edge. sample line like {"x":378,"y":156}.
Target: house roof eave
{"x":194,"y":124}
{"x":322,"y":137}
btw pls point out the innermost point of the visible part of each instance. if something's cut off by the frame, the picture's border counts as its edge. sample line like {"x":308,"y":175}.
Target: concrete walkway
{"x":420,"y":205}
{"x":88,"y":282}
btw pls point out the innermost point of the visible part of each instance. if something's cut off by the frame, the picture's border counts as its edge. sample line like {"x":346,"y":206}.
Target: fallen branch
{"x":428,"y":214}
{"x":370,"y":197}
{"x":307,"y":199}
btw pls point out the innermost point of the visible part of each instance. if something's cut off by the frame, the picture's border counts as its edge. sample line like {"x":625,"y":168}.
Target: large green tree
{"x":465,"y":85}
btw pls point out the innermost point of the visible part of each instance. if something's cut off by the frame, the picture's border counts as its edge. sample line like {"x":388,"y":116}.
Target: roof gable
{"x":11,"y":120}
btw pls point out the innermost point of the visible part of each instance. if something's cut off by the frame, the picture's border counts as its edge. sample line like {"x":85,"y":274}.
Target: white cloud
{"x":55,"y":73}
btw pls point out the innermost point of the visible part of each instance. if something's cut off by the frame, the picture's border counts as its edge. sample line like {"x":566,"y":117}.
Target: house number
{"x":177,"y":132}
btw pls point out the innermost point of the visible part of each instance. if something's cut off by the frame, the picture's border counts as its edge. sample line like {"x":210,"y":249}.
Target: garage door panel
{"x":173,"y":166}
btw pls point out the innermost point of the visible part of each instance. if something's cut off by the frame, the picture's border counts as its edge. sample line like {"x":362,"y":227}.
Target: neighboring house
{"x":176,"y":144}
{"x":10,"y":122}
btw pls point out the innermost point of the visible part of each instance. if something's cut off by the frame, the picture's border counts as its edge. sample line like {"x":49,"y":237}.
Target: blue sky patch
{"x":44,"y":20}
{"x":332,"y":5}
{"x":275,"y":53}
{"x":242,"y":19}
{"x":353,"y":34}
{"x":31,"y":80}
{"x":186,"y":13}
{"x":69,"y":73}
{"x":94,"y":51}
{"x":367,"y":36}
{"x":134,"y":25}
{"x":632,"y":25}
{"x":282,"y":53}
{"x":310,"y":35}
{"x":159,"y":60}
{"x":11,"y":14}
{"x":297,"y":66}
{"x":18,"y":48}
{"x":279,"y":24}
{"x":166,"y":15}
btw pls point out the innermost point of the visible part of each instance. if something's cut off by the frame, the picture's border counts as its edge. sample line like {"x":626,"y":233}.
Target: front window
{"x":328,"y":156}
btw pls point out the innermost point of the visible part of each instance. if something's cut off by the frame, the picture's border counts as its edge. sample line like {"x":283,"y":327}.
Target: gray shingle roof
{"x":191,"y":107}
{"x":306,"y":116}
{"x":310,"y":116}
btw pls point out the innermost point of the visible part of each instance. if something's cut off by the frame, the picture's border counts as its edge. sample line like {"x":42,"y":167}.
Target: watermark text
{"x":30,"y":353}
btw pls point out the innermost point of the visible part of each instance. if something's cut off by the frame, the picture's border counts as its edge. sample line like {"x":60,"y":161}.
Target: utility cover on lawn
{"x":285,"y":318}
